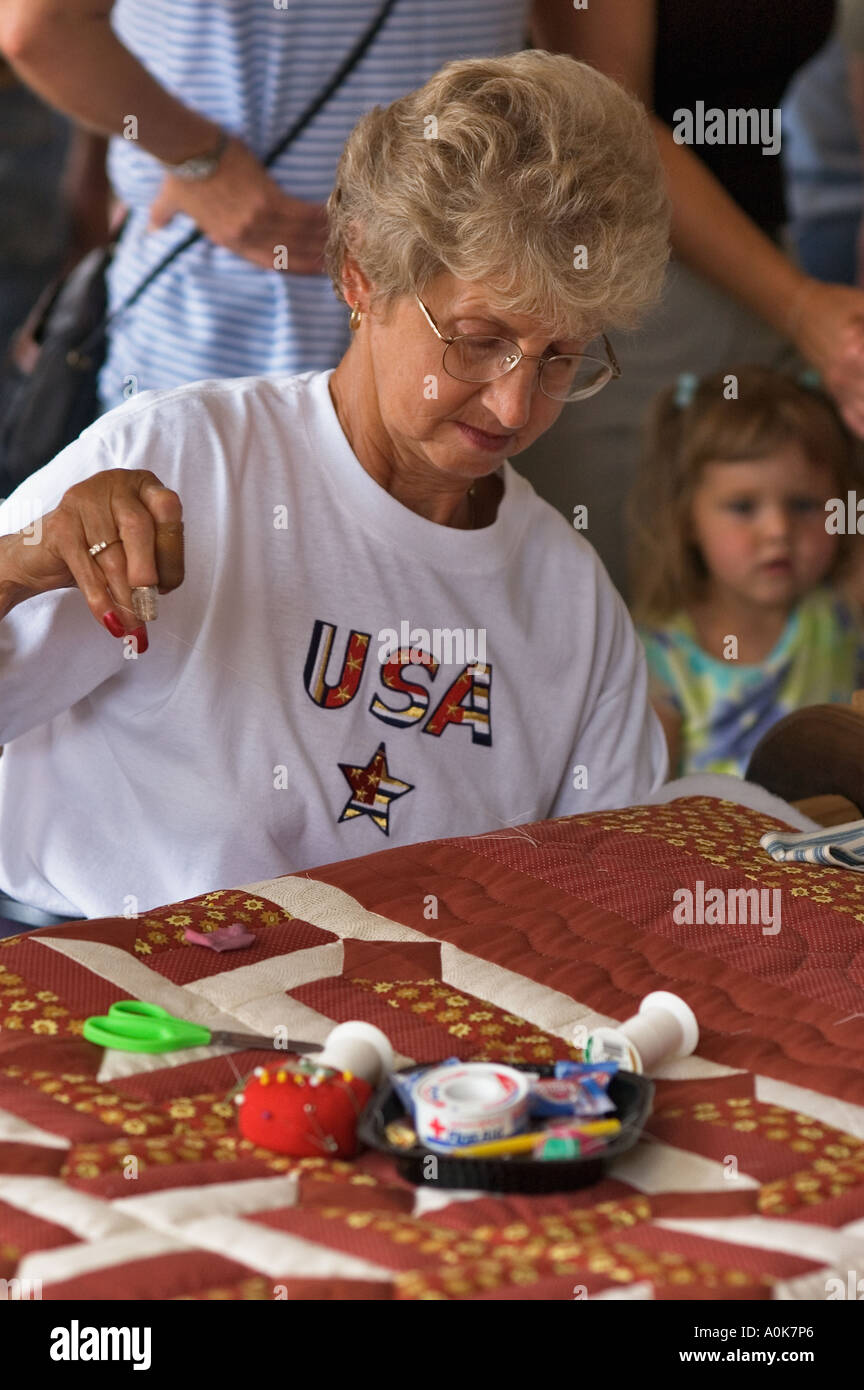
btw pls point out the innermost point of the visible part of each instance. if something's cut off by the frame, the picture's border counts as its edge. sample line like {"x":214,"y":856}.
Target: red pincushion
{"x":274,"y":1112}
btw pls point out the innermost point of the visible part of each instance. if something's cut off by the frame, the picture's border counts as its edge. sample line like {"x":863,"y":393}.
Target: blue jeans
{"x":828,"y":246}
{"x":9,"y":928}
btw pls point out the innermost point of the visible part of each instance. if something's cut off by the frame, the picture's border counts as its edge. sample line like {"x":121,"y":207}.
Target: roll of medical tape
{"x":469,"y":1103}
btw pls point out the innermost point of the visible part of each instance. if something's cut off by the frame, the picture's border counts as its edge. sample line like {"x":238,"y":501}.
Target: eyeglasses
{"x":563,"y":377}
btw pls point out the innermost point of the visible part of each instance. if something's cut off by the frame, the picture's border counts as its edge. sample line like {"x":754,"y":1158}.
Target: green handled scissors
{"x":135,"y":1026}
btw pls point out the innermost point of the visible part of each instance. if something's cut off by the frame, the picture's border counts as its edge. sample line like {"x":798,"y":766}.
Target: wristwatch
{"x":199,"y":166}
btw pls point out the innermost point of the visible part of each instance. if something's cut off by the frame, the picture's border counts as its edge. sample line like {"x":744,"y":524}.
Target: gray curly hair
{"x":498,"y":170}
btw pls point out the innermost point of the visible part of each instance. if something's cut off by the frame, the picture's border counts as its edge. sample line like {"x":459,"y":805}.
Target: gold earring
{"x":356,"y":316}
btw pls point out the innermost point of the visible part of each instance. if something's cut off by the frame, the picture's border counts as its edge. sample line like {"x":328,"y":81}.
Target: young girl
{"x":737,"y":569}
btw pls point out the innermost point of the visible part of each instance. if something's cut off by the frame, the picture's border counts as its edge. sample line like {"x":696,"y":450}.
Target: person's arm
{"x":95,"y":499}
{"x":67,"y":52}
{"x":712,"y":234}
{"x":54,"y":647}
{"x":616,"y":37}
{"x":709,"y":230}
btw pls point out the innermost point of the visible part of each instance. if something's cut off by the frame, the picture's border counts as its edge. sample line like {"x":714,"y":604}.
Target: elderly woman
{"x":383,"y":635}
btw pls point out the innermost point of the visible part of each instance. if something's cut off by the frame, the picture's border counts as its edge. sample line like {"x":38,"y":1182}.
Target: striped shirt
{"x":254,"y":68}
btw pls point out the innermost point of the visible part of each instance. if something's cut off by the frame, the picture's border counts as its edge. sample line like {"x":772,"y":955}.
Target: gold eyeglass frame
{"x":612,"y":364}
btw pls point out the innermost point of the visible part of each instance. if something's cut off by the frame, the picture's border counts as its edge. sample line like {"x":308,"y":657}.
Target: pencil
{"x":523,"y":1143}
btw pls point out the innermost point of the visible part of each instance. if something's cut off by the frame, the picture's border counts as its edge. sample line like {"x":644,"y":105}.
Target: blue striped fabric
{"x":253,"y":68}
{"x":841,"y":846}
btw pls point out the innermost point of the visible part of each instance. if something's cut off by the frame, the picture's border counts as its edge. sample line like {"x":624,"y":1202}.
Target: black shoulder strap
{"x":303,"y":120}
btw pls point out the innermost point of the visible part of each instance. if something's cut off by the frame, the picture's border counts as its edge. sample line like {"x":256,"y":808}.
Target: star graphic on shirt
{"x":372,"y":790}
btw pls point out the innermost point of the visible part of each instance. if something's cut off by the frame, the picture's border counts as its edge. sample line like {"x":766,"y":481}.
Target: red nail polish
{"x":140,"y":635}
{"x":113,"y":624}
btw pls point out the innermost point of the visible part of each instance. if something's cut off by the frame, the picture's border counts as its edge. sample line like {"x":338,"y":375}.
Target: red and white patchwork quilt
{"x":124,"y":1175}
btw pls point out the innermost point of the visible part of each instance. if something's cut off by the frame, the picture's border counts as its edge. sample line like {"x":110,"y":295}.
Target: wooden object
{"x":828,"y":810}
{"x":814,"y":758}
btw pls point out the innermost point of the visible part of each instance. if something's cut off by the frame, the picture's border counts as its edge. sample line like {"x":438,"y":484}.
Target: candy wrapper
{"x":565,"y":1141}
{"x":578,"y":1088}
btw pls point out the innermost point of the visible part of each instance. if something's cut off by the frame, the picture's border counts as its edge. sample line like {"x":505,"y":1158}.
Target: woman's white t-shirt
{"x":336,"y":674}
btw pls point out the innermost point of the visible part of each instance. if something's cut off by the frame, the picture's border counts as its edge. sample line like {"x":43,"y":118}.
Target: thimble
{"x":145,"y":603}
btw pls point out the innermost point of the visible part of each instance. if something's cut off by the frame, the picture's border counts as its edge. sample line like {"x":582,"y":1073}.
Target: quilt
{"x":124,"y":1176}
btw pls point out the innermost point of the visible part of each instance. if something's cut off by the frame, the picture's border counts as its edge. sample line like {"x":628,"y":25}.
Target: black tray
{"x":631,"y":1094}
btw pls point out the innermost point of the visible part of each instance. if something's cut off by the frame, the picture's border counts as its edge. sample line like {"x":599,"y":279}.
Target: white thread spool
{"x":360,"y":1048}
{"x":664,"y":1029}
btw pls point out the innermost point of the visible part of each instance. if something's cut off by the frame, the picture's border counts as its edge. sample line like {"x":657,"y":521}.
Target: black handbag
{"x":47,"y":402}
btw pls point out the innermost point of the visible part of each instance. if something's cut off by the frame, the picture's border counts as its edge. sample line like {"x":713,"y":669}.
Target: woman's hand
{"x":242,"y":208}
{"x":129,"y":505}
{"x":827,"y":324}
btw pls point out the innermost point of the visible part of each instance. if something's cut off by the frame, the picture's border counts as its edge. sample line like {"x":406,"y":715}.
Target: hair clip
{"x":685,"y":389}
